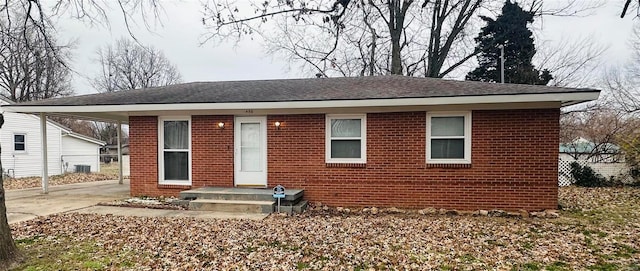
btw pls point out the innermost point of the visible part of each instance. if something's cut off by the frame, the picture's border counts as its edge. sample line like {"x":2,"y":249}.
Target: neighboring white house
{"x":22,"y":147}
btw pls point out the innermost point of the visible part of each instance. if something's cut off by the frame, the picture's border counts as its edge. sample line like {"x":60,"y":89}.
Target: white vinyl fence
{"x":607,"y":170}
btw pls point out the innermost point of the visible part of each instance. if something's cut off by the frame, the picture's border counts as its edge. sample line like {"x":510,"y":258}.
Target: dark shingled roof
{"x":315,"y":89}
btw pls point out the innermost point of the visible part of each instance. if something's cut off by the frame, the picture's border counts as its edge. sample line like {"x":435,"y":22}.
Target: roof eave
{"x":121,"y":113}
{"x":565,"y":98}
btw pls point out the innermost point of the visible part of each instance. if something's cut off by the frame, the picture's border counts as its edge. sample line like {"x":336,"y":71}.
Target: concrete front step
{"x":232,"y":206}
{"x":222,"y":193}
{"x":297,"y":208}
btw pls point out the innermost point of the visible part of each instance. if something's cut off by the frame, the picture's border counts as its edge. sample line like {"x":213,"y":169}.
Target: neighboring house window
{"x":449,"y":137}
{"x":174,"y":151}
{"x":346,"y":138}
{"x":20,"y":142}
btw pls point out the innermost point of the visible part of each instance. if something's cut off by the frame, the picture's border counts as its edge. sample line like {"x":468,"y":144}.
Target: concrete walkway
{"x":26,"y":204}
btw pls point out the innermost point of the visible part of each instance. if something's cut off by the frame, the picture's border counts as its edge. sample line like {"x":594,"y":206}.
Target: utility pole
{"x":501,"y":46}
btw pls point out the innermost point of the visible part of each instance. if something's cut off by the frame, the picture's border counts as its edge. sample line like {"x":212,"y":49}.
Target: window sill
{"x":345,"y":165}
{"x":453,"y":165}
{"x":174,"y":185}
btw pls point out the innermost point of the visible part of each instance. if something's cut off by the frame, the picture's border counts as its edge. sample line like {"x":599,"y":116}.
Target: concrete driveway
{"x":30,"y":203}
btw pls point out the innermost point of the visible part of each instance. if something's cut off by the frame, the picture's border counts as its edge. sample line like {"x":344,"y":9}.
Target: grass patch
{"x":625,"y":251}
{"x":495,"y":243}
{"x":633,"y":267}
{"x":558,"y":266}
{"x":526,"y":267}
{"x":27,"y":241}
{"x":467,"y":258}
{"x":302,"y":265}
{"x":110,"y":168}
{"x":604,"y":267}
{"x":527,"y":245}
{"x":65,"y":254}
{"x":360,"y":267}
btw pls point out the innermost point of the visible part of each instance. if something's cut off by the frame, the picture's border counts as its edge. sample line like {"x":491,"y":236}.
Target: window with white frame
{"x":346,"y":138}
{"x":449,"y":137}
{"x":19,"y":142}
{"x":174,"y":136}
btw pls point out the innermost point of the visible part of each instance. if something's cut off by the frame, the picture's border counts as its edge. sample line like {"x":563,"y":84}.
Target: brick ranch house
{"x":363,"y":141}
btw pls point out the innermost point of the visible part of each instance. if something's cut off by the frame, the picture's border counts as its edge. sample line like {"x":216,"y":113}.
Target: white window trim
{"x":467,"y":137}
{"x":14,"y":143}
{"x":161,"y":150}
{"x":362,"y":138}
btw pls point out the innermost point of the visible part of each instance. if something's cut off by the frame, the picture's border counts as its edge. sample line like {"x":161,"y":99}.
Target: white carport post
{"x":120,"y":181}
{"x":45,"y":161}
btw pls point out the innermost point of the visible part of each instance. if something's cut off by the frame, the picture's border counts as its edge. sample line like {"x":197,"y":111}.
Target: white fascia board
{"x":518,"y":98}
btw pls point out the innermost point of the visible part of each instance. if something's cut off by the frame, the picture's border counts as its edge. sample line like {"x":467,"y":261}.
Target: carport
{"x":119,"y":118}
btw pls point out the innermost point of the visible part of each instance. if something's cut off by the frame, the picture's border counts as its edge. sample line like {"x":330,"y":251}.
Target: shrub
{"x":630,"y":146}
{"x":585,"y":176}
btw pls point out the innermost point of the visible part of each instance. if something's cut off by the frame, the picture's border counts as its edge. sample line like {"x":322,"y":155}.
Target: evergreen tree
{"x":510,"y":30}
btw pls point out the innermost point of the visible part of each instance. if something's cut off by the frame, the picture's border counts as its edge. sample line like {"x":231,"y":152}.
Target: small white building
{"x":22,"y":147}
{"x":606,"y":159}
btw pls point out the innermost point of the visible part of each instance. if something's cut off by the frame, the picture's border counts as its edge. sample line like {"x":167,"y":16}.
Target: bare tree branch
{"x":32,"y":66}
{"x":127,"y":65}
{"x":572,"y":63}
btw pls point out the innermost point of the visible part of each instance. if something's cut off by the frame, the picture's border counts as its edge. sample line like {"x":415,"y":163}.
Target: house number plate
{"x":278,"y":192}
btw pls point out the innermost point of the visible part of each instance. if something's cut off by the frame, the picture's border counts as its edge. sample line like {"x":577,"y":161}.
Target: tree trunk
{"x":8,"y":249}
{"x":396,"y":58}
{"x":397,"y":12}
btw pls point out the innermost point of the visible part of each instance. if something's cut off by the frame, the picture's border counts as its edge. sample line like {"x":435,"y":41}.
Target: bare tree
{"x":612,"y":121}
{"x":107,"y":132}
{"x":363,"y":37}
{"x":34,"y":19}
{"x":38,"y":13}
{"x":127,"y":65}
{"x":572,"y":63}
{"x":349,"y":37}
{"x":604,"y":128}
{"x":32,"y":66}
{"x":83,"y":127}
{"x":623,"y":82}
{"x":629,"y":5}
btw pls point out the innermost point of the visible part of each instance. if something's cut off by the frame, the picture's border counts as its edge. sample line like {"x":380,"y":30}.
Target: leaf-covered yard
{"x":598,"y":229}
{"x":107,"y":172}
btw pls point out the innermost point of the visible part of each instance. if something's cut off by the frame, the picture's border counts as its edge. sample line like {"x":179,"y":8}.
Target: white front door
{"x":250,"y":149}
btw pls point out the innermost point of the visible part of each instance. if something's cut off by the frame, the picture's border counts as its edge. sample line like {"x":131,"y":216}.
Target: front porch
{"x":247,"y":200}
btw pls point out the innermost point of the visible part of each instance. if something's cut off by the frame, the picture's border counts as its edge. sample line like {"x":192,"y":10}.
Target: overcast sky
{"x":181,"y":32}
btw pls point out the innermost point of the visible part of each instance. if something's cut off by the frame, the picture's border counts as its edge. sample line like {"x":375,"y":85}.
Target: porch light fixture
{"x":221,"y":125}
{"x":277,"y":124}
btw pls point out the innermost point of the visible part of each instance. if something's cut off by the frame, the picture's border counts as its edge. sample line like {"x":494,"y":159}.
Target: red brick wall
{"x":211,"y":156}
{"x":143,"y":151}
{"x":514,"y":161}
{"x":212,"y":151}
